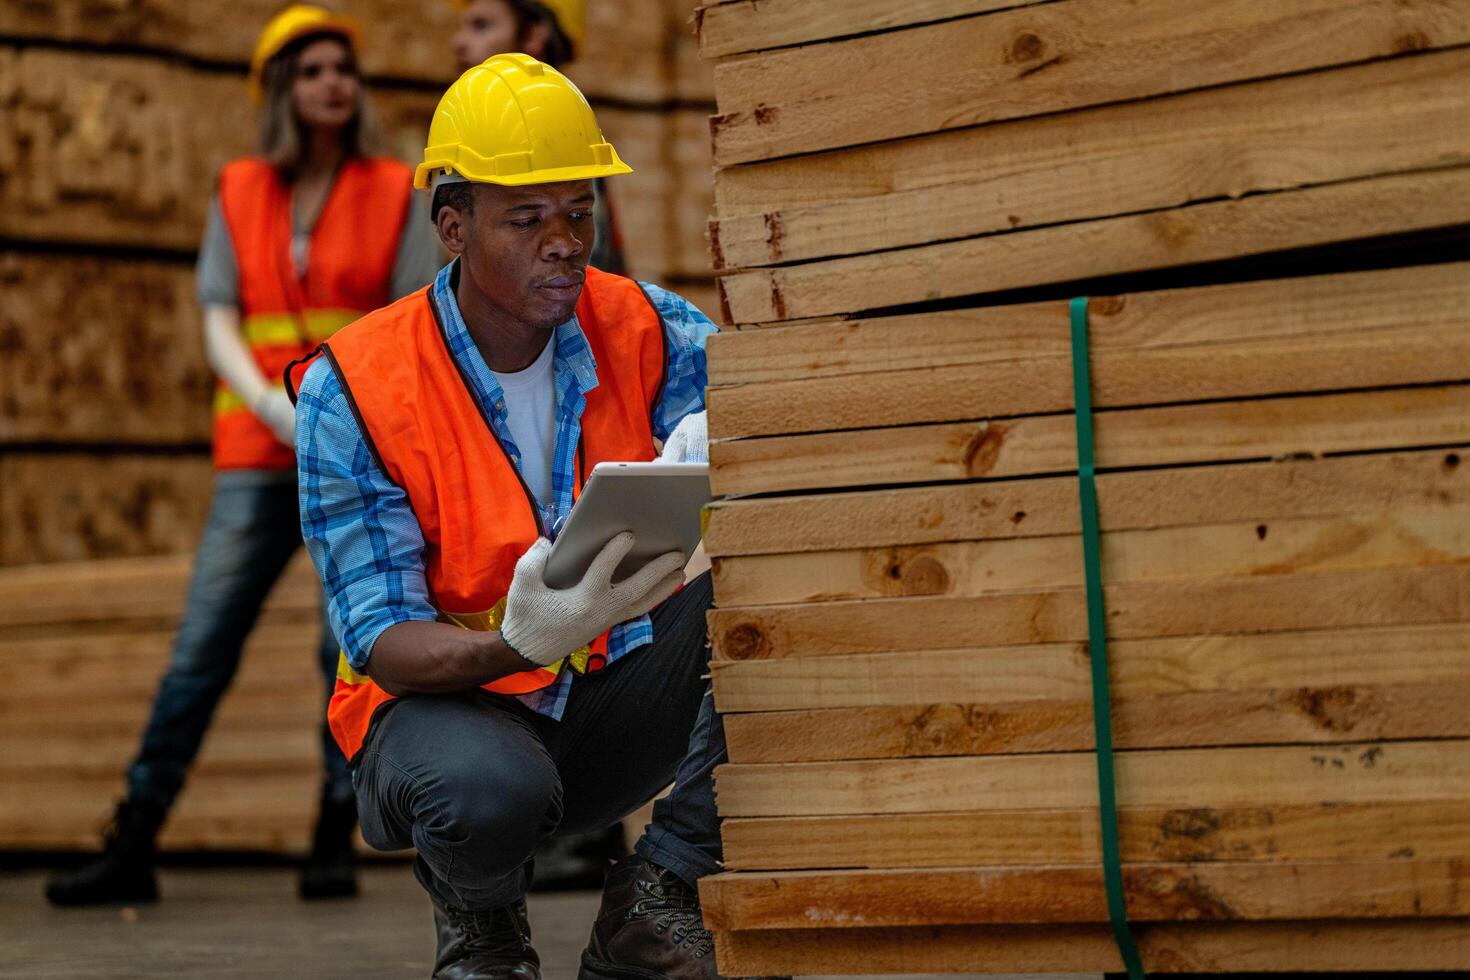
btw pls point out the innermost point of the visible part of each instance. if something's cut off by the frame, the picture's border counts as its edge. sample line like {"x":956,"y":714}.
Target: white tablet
{"x":658,"y":502}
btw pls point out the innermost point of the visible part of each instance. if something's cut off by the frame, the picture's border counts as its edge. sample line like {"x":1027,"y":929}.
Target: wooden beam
{"x":1125,"y":438}
{"x":1323,"y":713}
{"x":1271,"y":135}
{"x":1428,"y":536}
{"x":1044,"y":59}
{"x":1326,"y":832}
{"x":755,"y":25}
{"x":1180,"y":607}
{"x":1045,"y":673}
{"x":1382,"y":889}
{"x":1293,"y":488}
{"x":1172,"y":778}
{"x":1208,"y":947}
{"x":1197,"y":233}
{"x":1342,"y":306}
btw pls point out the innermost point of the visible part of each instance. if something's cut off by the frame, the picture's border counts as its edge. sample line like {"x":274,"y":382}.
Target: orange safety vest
{"x":353,"y":248}
{"x":478,"y":517}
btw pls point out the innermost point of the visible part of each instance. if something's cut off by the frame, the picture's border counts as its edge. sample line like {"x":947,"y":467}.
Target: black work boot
{"x":124,"y":870}
{"x":649,"y":928}
{"x":494,"y":945}
{"x":330,"y":870}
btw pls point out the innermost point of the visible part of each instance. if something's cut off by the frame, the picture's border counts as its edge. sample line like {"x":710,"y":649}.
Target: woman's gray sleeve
{"x":217,"y":277}
{"x":419,"y":253}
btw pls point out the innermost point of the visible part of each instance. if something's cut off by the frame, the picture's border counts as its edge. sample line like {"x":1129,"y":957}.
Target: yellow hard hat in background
{"x":513,"y":120}
{"x":297,"y":21}
{"x":570,"y":15}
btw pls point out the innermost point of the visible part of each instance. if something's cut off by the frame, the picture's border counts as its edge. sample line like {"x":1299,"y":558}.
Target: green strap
{"x":1097,"y":637}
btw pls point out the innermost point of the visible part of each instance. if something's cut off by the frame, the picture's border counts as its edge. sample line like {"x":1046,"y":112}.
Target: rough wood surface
{"x":1181,"y":607}
{"x":60,"y":507}
{"x":1407,"y":537}
{"x":1198,"y":233}
{"x":1333,"y":832}
{"x":1330,"y":333}
{"x":1046,"y":58}
{"x":1268,"y":491}
{"x":1387,"y":117}
{"x":755,"y":25}
{"x":1124,"y":438}
{"x":101,"y":350}
{"x":1190,"y":778}
{"x":1382,"y":889}
{"x":1207,"y":947}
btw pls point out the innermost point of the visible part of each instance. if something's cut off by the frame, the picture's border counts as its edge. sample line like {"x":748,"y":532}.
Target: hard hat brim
{"x":424,"y":174}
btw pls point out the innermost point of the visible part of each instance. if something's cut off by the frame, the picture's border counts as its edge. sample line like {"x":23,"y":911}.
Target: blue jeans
{"x":252,"y":532}
{"x":475,"y":781}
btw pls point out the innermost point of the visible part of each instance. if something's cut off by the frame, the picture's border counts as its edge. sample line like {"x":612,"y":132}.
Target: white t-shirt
{"x":530,"y":412}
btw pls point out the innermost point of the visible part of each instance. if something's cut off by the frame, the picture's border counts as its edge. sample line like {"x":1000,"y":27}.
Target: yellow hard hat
{"x":570,"y":15}
{"x":514,"y":121}
{"x":296,"y":22}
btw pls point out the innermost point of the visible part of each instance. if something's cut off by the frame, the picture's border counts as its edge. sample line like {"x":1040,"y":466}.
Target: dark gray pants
{"x":475,"y":781}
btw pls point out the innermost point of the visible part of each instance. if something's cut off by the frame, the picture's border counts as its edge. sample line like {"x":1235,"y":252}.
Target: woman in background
{"x":303,"y":239}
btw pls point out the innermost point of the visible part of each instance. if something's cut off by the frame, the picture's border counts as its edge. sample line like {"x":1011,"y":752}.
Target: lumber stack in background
{"x":1260,"y":198}
{"x":116,"y":120}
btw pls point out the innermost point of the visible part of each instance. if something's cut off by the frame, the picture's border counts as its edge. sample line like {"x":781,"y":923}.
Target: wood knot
{"x":765,"y":115}
{"x":1333,"y":709}
{"x":925,"y":575}
{"x":1026,"y":47}
{"x":745,"y":641}
{"x":1106,"y":305}
{"x":983,"y":449}
{"x":1412,"y":41}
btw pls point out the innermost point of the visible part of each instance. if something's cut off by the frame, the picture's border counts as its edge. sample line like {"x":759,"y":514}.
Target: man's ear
{"x":453,"y":227}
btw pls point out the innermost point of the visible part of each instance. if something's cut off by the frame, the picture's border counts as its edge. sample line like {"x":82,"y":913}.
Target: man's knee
{"x":492,"y":816}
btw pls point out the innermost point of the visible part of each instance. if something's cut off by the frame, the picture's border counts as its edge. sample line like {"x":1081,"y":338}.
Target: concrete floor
{"x":233,"y":924}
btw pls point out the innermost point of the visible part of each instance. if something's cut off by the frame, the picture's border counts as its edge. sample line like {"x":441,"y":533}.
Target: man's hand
{"x":543,"y":624}
{"x":274,"y":408}
{"x":689,"y":442}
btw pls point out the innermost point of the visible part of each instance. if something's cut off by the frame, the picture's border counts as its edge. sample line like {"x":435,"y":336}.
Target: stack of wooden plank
{"x":85,"y":643}
{"x":1266,"y":203}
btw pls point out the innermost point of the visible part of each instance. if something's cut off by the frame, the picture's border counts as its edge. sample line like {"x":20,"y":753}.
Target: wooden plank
{"x":755,"y":25}
{"x":693,"y":75}
{"x":1292,"y":488}
{"x":1382,"y":889}
{"x":1345,"y":947}
{"x":1196,"y":233}
{"x":1422,"y":342}
{"x":1191,"y":778}
{"x":1336,"y":832}
{"x":57,"y":507}
{"x":121,"y":150}
{"x":1125,"y":438}
{"x":1182,"y":607}
{"x":1329,"y":661}
{"x":1140,"y":156}
{"x":1415,"y":537}
{"x":148,"y":591}
{"x":101,"y":350}
{"x":1428,"y":297}
{"x":1046,"y":58}
{"x":623,"y":58}
{"x":1328,"y":712}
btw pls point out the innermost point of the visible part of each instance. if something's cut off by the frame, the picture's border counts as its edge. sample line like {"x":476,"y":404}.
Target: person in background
{"x":302,"y":239}
{"x":552,"y":32}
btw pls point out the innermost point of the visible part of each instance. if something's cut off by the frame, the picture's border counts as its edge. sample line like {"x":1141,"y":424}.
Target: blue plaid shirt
{"x":359,"y":527}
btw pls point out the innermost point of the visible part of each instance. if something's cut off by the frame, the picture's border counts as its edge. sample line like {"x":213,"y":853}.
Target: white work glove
{"x":274,"y":408}
{"x":689,"y":442}
{"x":543,"y":624}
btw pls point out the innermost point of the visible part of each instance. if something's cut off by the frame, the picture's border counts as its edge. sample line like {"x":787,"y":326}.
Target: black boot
{"x":493,"y":945}
{"x":124,"y":870}
{"x":330,"y":870}
{"x":649,"y":926}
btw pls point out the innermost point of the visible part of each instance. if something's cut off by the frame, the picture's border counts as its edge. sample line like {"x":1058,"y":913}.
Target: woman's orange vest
{"x":353,"y":248}
{"x":427,"y":435}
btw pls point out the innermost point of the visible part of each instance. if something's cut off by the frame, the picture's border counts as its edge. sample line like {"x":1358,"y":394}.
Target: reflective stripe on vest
{"x":354,"y":246}
{"x":425,"y":430}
